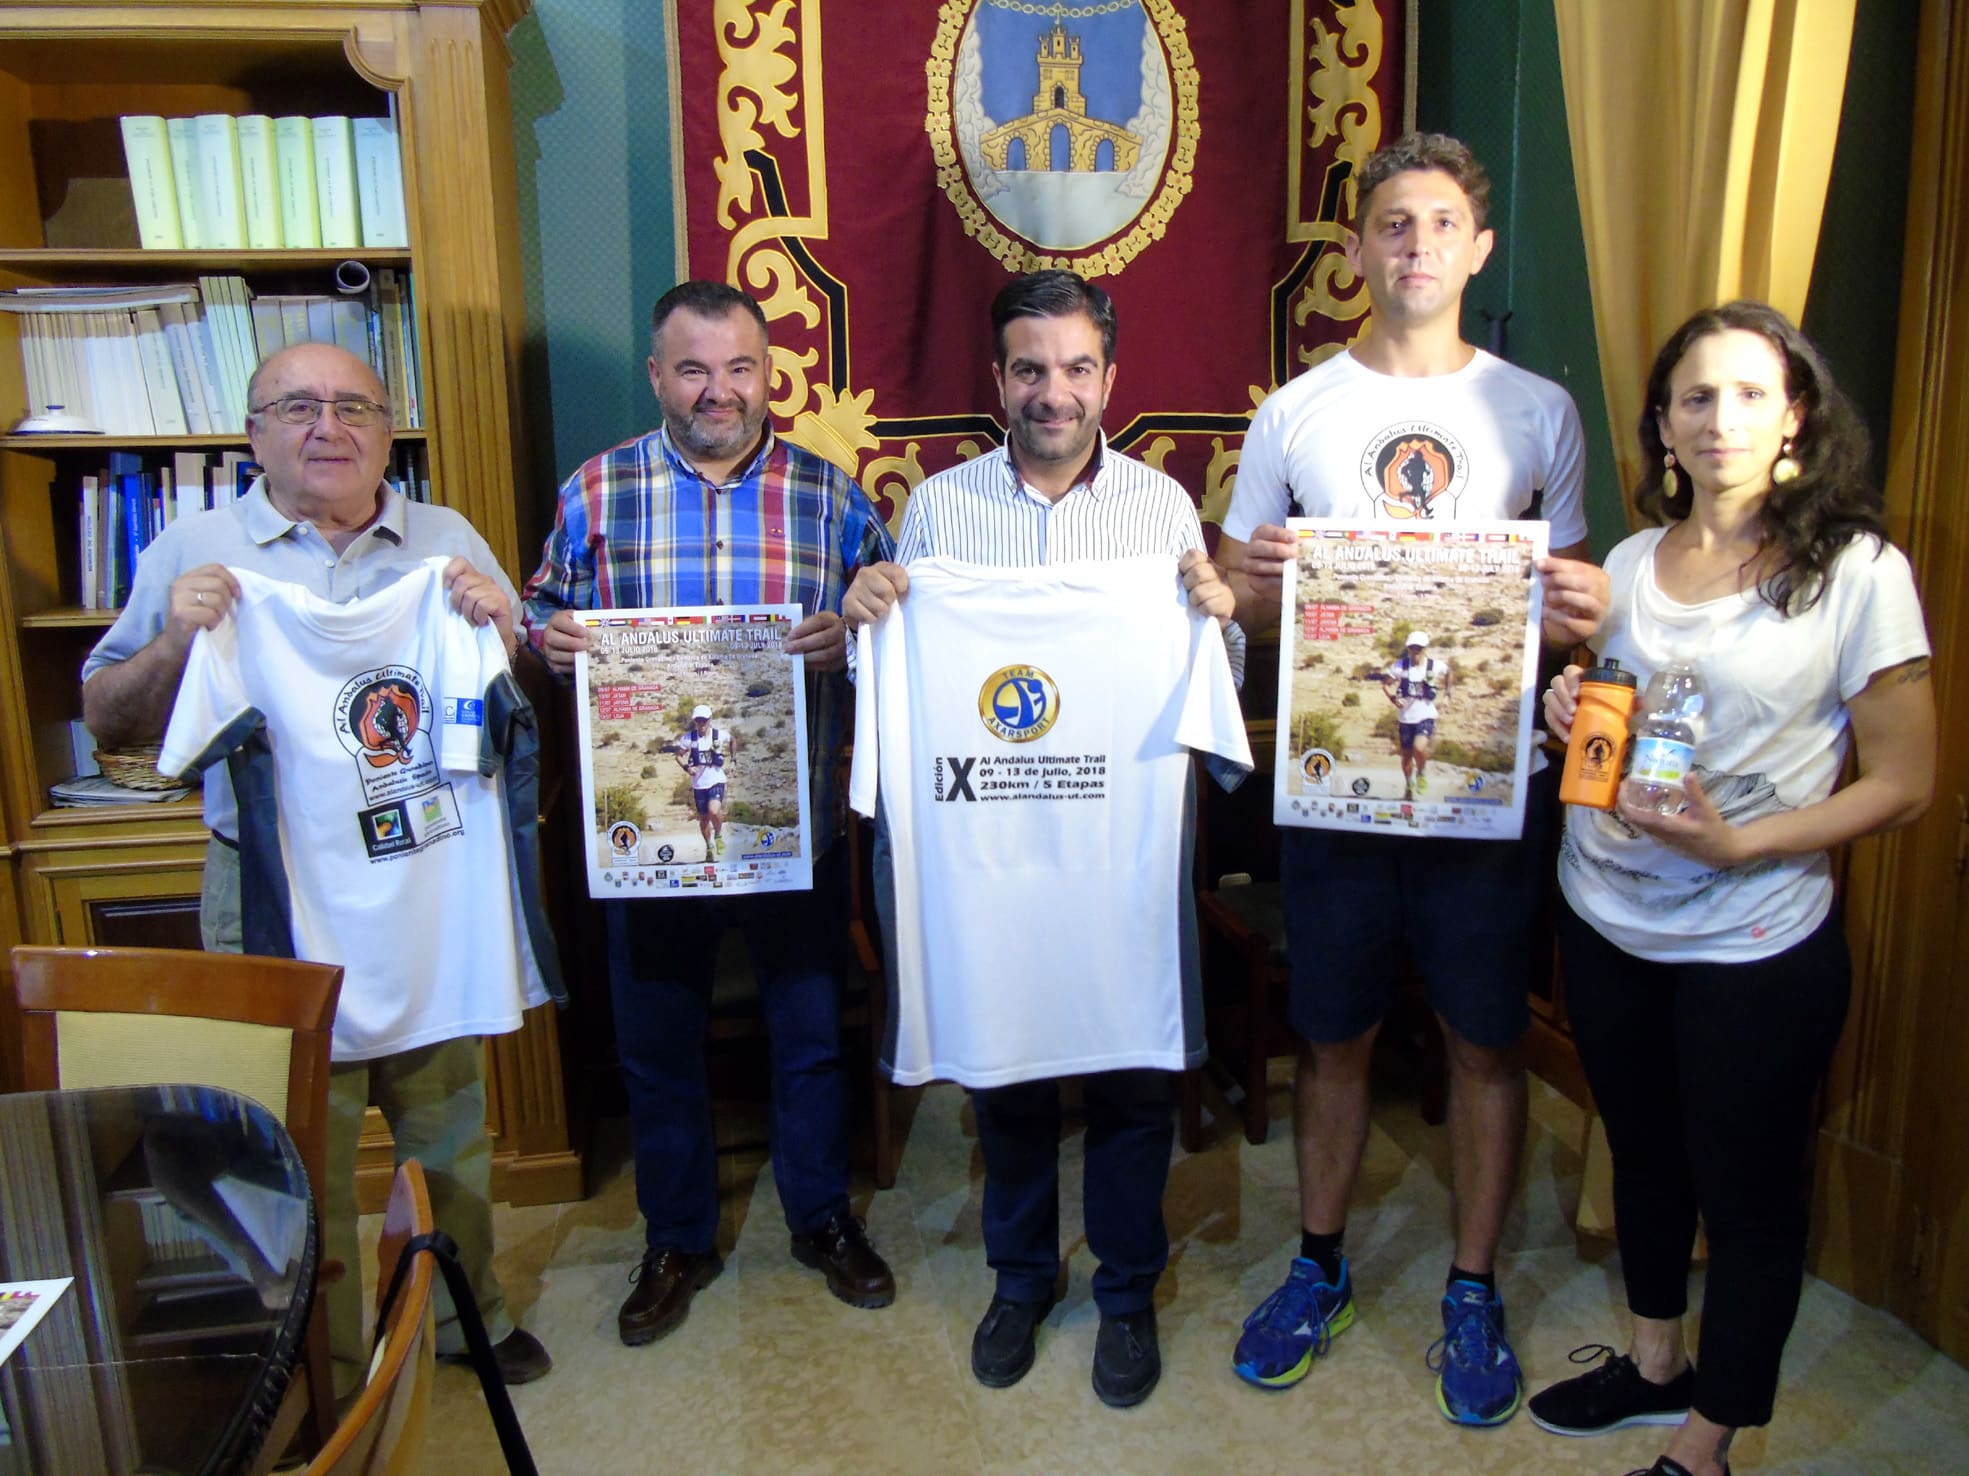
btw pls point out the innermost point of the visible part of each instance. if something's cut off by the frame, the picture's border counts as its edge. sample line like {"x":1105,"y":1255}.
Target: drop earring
{"x":1670,"y":488}
{"x":1785,"y":469}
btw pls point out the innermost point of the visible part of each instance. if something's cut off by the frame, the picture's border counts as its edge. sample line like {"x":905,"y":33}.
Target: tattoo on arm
{"x":1913,"y":671}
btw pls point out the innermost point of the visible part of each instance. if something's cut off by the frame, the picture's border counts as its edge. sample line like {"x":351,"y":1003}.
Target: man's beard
{"x":695,"y":434}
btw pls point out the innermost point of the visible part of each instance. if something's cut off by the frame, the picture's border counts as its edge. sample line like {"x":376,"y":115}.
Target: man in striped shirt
{"x":712,"y":508}
{"x":1057,"y":493}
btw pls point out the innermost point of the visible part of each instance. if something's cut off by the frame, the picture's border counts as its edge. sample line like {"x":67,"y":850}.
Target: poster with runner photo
{"x":1408,"y":665}
{"x":693,"y":752}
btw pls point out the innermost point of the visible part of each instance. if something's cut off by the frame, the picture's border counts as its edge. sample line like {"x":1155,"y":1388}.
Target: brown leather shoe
{"x":521,"y":1357}
{"x":855,"y":1273}
{"x":665,"y":1282}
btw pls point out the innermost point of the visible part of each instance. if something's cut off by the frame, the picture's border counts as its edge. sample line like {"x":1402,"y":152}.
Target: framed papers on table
{"x":1360,"y":705}
{"x":678,"y":806}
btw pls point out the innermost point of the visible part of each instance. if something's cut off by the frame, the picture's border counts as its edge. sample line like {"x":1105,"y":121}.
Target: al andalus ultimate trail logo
{"x":1074,"y":137}
{"x":1415,"y":469}
{"x":383,"y":719}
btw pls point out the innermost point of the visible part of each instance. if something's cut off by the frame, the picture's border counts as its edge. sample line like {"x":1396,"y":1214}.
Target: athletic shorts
{"x":1427,"y":728}
{"x":1467,"y":913}
{"x":704,"y":797}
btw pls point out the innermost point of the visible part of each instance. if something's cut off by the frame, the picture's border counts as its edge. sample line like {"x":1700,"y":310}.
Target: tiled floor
{"x":770,"y":1374}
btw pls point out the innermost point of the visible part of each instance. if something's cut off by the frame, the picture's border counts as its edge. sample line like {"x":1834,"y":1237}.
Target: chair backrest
{"x":383,"y":1431}
{"x":87,"y":1017}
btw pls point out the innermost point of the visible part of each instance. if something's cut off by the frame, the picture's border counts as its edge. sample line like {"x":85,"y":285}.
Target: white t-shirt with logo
{"x":1415,"y":686}
{"x":396,"y":848}
{"x":1490,"y":440}
{"x":1774,"y":737}
{"x":1031,"y":728}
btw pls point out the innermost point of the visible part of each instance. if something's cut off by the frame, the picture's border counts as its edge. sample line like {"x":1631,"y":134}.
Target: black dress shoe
{"x":1003,"y":1346}
{"x":1127,"y":1358}
{"x":855,"y":1273}
{"x":666,"y":1281}
{"x":521,"y":1357}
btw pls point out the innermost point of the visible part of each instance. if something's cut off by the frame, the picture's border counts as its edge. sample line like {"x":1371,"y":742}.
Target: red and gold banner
{"x":872,"y":171}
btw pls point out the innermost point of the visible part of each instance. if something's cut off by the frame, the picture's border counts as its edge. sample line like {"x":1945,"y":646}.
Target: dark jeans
{"x":662,"y":956}
{"x":1704,"y":1074}
{"x":1131,"y":1128}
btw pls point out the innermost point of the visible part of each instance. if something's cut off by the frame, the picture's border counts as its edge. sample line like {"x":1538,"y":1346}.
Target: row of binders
{"x":254,"y":183}
{"x":175,"y":360}
{"x":122,"y":508}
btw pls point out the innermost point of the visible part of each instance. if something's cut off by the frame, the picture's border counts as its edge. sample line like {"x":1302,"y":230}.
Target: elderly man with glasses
{"x":321,"y":516}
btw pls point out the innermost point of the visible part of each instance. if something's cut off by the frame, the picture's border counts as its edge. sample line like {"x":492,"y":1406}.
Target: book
{"x":413,"y":354}
{"x":184,"y":364}
{"x":389,"y":306}
{"x":189,"y":471}
{"x":232,"y":338}
{"x":218,"y":193}
{"x":167,"y":406}
{"x":321,"y":319}
{"x":300,"y":218}
{"x":147,"y":153}
{"x":269,"y":337}
{"x":351,"y":326}
{"x":183,"y":140}
{"x":90,"y":540}
{"x":294,"y":318}
{"x":259,"y":176}
{"x":379,"y":182}
{"x":227,"y":418}
{"x":335,"y":182}
{"x":99,"y":789}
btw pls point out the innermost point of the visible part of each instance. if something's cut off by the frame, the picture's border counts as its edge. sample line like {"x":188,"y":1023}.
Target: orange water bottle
{"x":1599,"y":737}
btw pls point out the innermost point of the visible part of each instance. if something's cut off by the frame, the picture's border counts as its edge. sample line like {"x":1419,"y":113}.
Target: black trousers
{"x":1131,"y":1128}
{"x":1704,"y":1074}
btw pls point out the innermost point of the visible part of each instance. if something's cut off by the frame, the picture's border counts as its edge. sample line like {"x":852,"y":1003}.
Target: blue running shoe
{"x":1293,"y":1326}
{"x":1476,"y":1372}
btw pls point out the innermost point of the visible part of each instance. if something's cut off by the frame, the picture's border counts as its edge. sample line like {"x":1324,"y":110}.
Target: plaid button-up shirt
{"x":639,"y":527}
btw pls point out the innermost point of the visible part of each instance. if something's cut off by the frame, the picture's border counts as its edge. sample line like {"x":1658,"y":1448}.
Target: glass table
{"x":183,"y":1215}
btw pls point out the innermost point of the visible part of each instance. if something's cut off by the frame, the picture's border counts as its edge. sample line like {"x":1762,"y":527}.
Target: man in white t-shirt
{"x":1410,"y":423}
{"x":1414,"y":685}
{"x":322,"y":517}
{"x":707,"y":753}
{"x":1056,"y":493}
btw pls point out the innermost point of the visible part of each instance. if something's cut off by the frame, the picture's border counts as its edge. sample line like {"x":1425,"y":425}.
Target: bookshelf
{"x":68,"y":73}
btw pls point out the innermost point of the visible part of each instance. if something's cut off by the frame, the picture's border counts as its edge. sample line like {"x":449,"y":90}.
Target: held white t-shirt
{"x":1774,"y":737}
{"x":1031,"y":728}
{"x":396,"y":848}
{"x":1489,"y":440}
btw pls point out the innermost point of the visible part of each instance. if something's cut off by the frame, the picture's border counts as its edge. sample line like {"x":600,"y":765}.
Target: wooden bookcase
{"x":67,"y":72}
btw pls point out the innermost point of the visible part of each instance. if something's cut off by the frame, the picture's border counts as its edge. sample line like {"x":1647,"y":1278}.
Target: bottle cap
{"x":1611,"y":674}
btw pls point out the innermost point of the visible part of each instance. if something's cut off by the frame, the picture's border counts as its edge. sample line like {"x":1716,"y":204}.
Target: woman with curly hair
{"x":1706,"y":972}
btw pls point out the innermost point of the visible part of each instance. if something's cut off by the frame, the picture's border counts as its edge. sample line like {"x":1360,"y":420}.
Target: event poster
{"x":694,"y":752}
{"x":22,"y":1304}
{"x":1408,"y":665}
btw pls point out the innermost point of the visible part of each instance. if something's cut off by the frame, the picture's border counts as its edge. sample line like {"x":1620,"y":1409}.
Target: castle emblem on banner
{"x":1064,"y":132}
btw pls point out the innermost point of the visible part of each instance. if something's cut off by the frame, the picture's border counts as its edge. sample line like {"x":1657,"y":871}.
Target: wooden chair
{"x":1247,"y":975}
{"x":383,"y":1431}
{"x":96,"y":1017}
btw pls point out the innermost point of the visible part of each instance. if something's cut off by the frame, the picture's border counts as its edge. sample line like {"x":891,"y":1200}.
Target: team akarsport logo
{"x":1415,"y":469}
{"x":1019,"y":703}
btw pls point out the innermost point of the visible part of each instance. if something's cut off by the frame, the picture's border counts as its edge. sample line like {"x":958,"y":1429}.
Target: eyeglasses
{"x":306,"y":410}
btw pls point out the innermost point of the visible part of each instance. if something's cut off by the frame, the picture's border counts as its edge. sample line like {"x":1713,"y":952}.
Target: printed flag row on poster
{"x":1408,"y":667}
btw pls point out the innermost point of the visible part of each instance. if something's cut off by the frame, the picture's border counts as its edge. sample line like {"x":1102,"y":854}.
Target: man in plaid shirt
{"x":712,"y":508}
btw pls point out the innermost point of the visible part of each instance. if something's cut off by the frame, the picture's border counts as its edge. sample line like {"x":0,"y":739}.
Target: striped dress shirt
{"x":639,"y":527}
{"x":982,"y":512}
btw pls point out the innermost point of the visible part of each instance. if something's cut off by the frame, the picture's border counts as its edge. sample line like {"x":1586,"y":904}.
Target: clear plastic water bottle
{"x":1666,"y":731}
